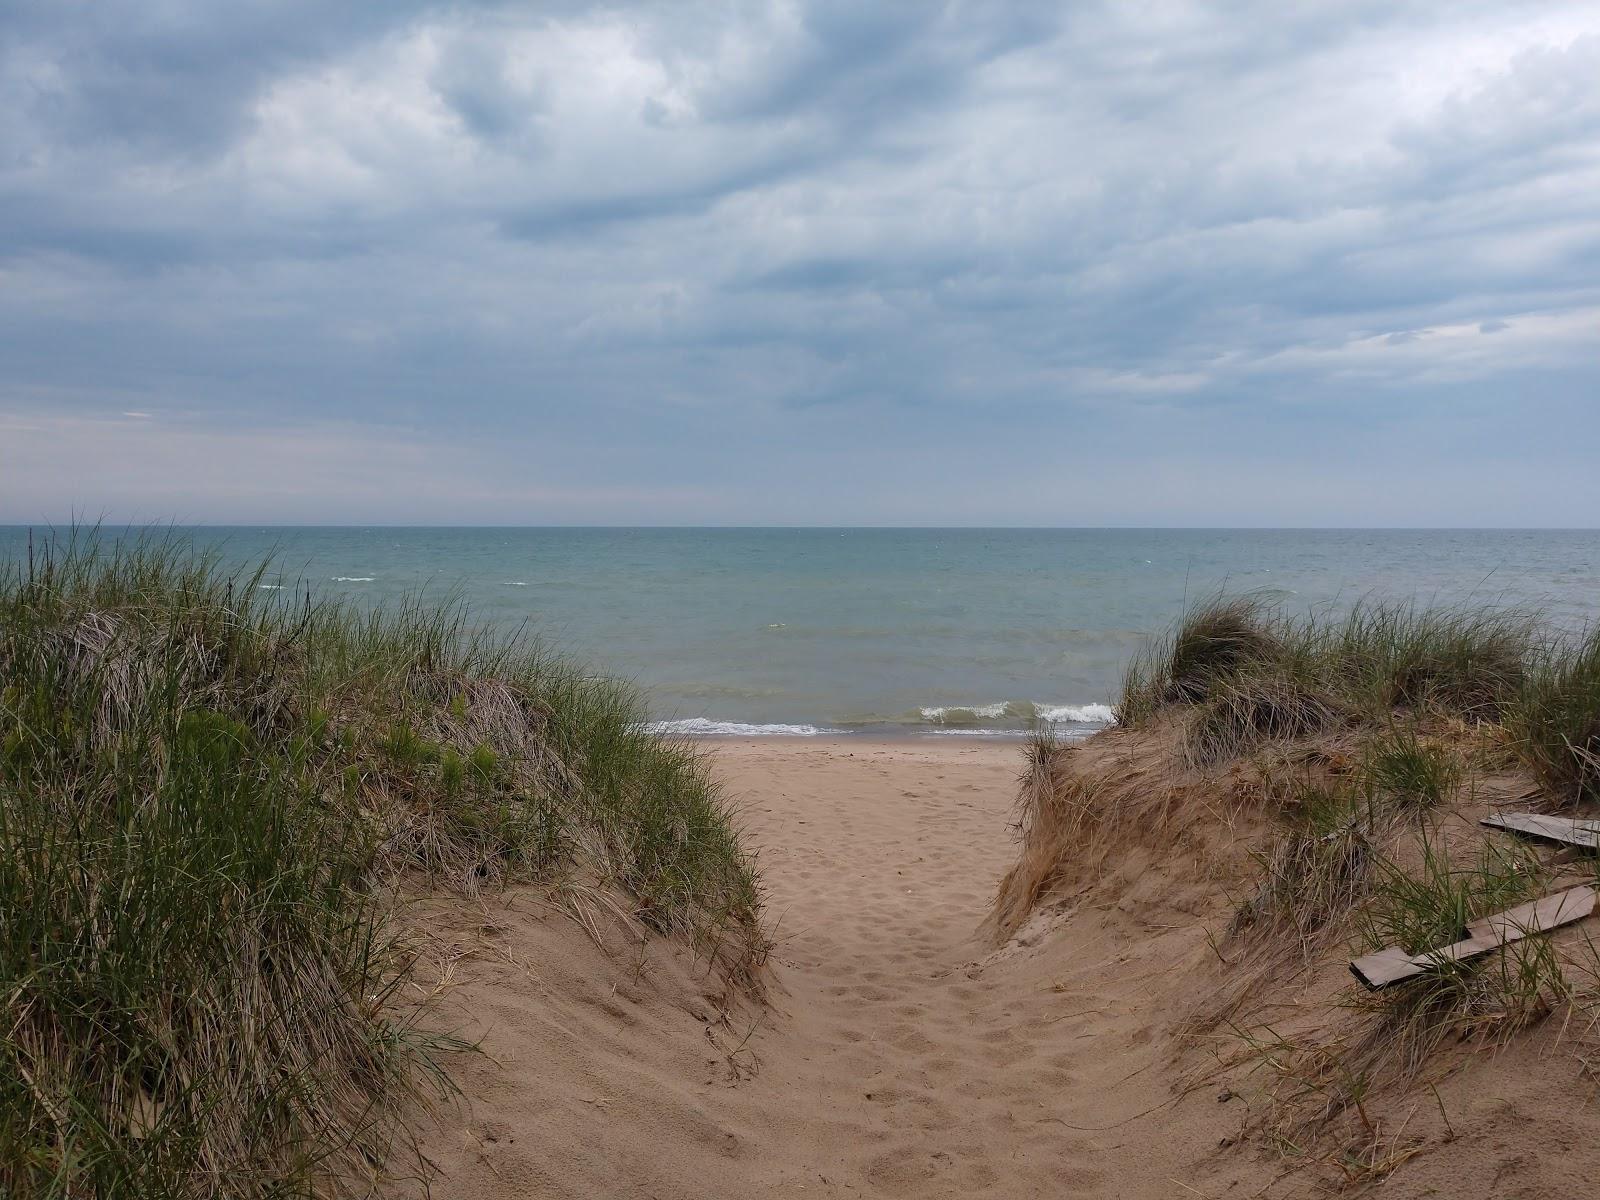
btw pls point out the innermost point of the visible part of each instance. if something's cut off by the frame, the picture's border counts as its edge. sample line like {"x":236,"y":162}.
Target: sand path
{"x":946,"y":1070}
{"x":902,"y":1056}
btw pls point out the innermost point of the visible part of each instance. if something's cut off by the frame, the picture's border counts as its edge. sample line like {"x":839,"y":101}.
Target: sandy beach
{"x":902,"y":1054}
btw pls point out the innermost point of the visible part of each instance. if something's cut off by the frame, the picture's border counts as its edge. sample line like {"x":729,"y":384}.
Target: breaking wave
{"x":705,"y":727}
{"x":1018,"y":710}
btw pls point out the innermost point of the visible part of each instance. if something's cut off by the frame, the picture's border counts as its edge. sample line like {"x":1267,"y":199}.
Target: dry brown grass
{"x":1081,"y":808}
{"x":1060,"y":823}
{"x":1240,"y":715}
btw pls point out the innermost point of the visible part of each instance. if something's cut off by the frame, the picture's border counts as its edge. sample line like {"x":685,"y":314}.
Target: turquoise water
{"x":919,"y":631}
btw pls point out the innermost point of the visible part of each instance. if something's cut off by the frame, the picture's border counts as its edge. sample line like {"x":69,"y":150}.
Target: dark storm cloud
{"x":611,"y":248}
{"x":869,"y":63}
{"x":169,"y":78}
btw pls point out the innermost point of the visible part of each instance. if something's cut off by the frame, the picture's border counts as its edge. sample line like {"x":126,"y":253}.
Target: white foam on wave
{"x":516,"y":583}
{"x":1083,"y":714}
{"x":705,"y":727}
{"x":353,"y":578}
{"x":963,"y":712}
{"x":1054,"y":714}
{"x":270,"y":587}
{"x":973,"y":732}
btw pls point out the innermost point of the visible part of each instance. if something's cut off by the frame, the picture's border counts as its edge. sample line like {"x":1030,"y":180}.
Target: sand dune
{"x":901,"y":1055}
{"x":904,"y":1051}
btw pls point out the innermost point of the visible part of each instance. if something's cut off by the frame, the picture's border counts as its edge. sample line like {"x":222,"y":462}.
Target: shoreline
{"x":884,"y":734}
{"x":1004,"y":720}
{"x":832,"y":738}
{"x":827,"y":742}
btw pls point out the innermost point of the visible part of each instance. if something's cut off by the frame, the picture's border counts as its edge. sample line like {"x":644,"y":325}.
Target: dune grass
{"x":1402,"y":771}
{"x":1247,"y":710}
{"x":1347,"y":753}
{"x":1249,"y":675}
{"x":1428,"y":905}
{"x":1253,"y":674}
{"x":1392,"y":685}
{"x":1058,"y":816}
{"x":1316,"y":872}
{"x":1213,"y":643}
{"x":1325,"y":861}
{"x":208,"y":794}
{"x":1556,"y":723}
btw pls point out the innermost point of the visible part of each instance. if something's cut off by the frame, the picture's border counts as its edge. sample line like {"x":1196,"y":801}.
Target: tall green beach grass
{"x":1248,"y":674}
{"x":1557,"y":720}
{"x":210,"y":794}
{"x":1252,"y":673}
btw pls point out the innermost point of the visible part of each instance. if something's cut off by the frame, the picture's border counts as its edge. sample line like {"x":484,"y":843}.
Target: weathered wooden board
{"x":1392,"y":965}
{"x":1564,"y":831}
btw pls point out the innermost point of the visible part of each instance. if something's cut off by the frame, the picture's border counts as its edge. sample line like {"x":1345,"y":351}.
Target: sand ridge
{"x":901,"y":1054}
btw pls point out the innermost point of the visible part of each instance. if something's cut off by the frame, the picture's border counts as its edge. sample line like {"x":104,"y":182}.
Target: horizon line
{"x":357,"y":525}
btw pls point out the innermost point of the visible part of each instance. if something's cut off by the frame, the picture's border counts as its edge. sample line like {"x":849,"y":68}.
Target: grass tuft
{"x":1251,"y":674}
{"x":1210,"y":644}
{"x":1058,"y":819}
{"x":1213,"y":643}
{"x":1556,"y":725}
{"x":1241,"y":714}
{"x":1403,"y":772}
{"x":1316,"y":872}
{"x":1467,"y":662}
{"x":1427,"y":907}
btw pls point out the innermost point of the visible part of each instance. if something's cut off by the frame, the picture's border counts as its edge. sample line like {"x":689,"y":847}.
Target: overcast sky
{"x":815,"y":262}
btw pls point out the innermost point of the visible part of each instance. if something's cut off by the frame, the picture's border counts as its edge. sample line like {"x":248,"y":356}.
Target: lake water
{"x":926,"y":631}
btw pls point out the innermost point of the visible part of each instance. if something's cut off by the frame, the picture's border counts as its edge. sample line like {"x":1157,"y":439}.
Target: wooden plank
{"x":1387,"y":966}
{"x":1393,"y":964}
{"x":1563,"y":831}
